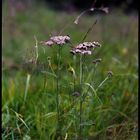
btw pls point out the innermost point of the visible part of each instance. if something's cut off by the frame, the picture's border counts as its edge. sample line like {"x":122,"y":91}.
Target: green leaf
{"x":87,"y":123}
{"x":49,"y":73}
{"x":49,"y":115}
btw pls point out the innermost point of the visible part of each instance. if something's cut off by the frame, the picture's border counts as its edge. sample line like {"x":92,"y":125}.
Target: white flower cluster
{"x":85,"y":48}
{"x":59,"y":40}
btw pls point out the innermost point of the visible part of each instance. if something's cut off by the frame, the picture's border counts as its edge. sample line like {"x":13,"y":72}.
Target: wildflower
{"x":59,"y":40}
{"x":85,"y":48}
{"x":85,"y":45}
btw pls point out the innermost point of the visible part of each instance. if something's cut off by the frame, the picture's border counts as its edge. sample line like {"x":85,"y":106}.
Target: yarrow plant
{"x":60,"y":41}
{"x":81,"y":51}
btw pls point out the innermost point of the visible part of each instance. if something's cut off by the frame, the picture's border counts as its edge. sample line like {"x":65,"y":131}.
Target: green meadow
{"x":29,"y":91}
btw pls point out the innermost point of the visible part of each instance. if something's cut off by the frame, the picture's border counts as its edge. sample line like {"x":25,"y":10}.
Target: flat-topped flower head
{"x":85,"y":48}
{"x":59,"y":40}
{"x":88,"y":45}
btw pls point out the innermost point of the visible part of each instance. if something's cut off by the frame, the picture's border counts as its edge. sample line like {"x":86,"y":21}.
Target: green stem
{"x":102,"y":83}
{"x":81,"y":102}
{"x":74,"y":76}
{"x":81,"y":70}
{"x":58,"y":89}
{"x":36,"y":48}
{"x":27,"y":86}
{"x":93,"y":71}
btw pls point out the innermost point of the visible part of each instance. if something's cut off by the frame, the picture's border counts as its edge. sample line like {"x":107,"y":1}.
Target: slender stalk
{"x":95,"y":91}
{"x":27,"y":86}
{"x":80,"y":131}
{"x":74,"y":76}
{"x":89,"y":29}
{"x":36,"y":49}
{"x":50,"y":65}
{"x":58,"y":90}
{"x":102,"y":83}
{"x":81,"y":102}
{"x":93,"y":71}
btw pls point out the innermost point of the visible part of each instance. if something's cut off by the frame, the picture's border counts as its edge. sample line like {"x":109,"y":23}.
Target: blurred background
{"x":72,"y":5}
{"x":33,"y":16}
{"x":117,"y":31}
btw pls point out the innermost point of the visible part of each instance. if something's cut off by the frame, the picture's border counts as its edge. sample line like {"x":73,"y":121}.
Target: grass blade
{"x":27,"y":86}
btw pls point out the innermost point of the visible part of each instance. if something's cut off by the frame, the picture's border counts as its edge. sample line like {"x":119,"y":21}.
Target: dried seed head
{"x":97,"y":60}
{"x":77,"y":94}
{"x":110,"y":73}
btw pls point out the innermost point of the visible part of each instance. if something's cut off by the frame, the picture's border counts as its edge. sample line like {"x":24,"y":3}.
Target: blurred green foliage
{"x":36,"y":119}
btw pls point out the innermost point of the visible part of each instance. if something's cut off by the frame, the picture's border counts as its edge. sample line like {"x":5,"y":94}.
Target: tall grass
{"x":108,"y":112}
